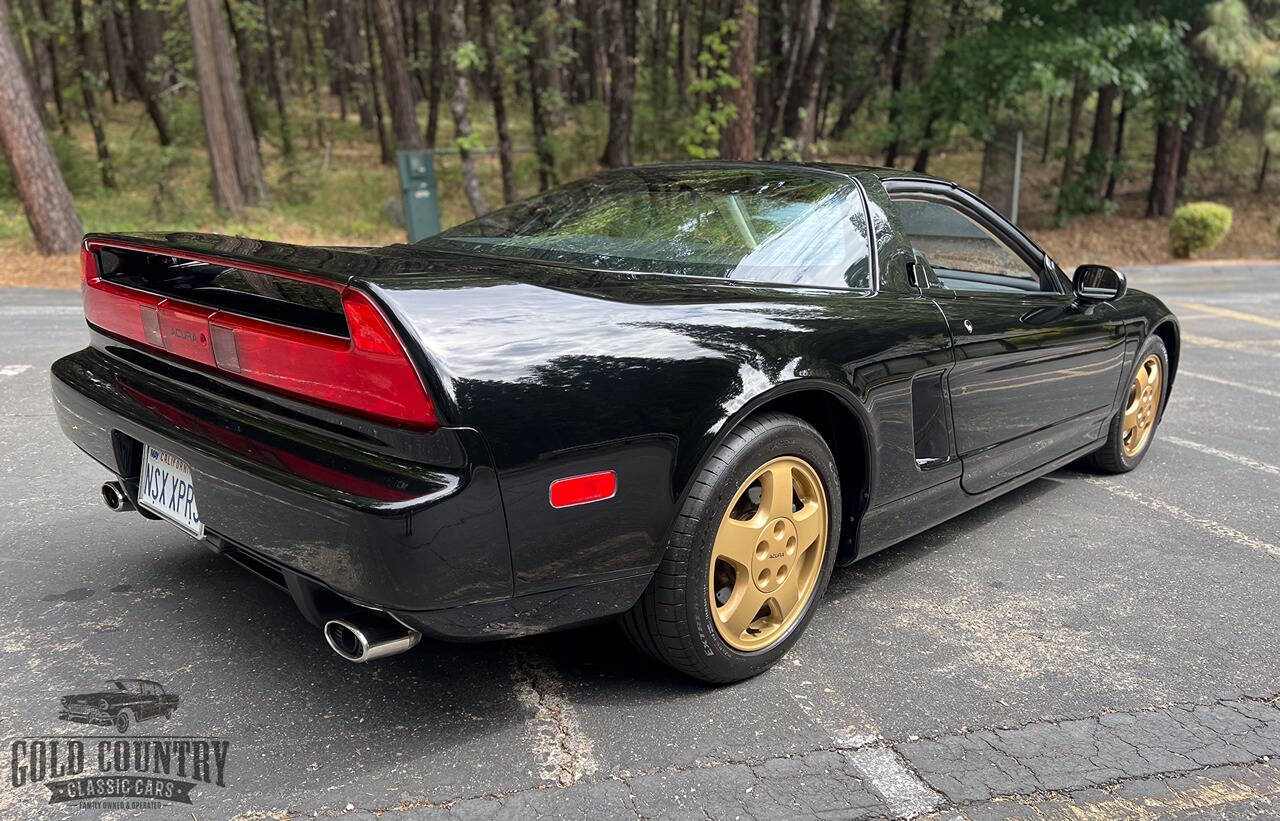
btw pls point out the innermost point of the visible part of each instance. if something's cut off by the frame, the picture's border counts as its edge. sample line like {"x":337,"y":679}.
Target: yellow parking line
{"x":1252,"y":346}
{"x":1209,"y":793}
{"x":1230,"y":314}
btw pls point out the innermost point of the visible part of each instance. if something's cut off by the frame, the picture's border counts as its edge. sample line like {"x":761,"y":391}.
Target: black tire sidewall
{"x":715,"y":656}
{"x":1153,"y":345}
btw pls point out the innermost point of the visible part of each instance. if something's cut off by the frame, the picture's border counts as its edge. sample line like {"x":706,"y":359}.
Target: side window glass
{"x":825,"y":244}
{"x":963,"y":254}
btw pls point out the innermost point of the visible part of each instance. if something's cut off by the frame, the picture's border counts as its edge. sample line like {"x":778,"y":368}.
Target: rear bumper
{"x":381,"y":517}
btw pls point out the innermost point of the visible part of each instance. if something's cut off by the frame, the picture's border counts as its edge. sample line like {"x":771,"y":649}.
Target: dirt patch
{"x":1121,"y":239}
{"x":27,"y":269}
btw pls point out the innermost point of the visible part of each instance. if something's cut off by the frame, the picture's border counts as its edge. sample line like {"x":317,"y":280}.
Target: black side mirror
{"x":1098,"y":283}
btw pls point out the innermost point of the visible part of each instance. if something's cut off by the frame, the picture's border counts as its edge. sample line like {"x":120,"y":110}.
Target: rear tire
{"x":1126,"y":446}
{"x":674,"y":621}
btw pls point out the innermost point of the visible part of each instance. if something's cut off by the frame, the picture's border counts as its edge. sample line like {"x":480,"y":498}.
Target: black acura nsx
{"x":678,"y":395}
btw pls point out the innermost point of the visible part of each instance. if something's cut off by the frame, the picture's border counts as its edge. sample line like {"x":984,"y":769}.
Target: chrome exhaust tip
{"x":113,"y":496}
{"x":369,"y":635}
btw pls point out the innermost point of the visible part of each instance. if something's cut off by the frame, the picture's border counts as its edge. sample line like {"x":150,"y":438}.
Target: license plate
{"x":165,"y":487}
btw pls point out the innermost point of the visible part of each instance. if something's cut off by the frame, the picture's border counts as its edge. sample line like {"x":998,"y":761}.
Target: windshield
{"x":788,"y":226}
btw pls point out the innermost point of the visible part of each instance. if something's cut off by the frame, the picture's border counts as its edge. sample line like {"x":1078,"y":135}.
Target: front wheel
{"x":122,"y":721}
{"x":1134,"y":425}
{"x":750,"y":554}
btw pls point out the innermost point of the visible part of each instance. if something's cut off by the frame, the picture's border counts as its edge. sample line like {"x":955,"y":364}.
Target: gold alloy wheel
{"x":1143,"y":405}
{"x":768,"y":553}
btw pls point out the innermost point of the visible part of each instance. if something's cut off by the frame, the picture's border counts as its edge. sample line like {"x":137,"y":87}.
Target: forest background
{"x":280,"y":118}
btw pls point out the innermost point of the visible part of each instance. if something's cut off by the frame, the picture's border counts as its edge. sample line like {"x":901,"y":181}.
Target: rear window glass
{"x":777,"y":226}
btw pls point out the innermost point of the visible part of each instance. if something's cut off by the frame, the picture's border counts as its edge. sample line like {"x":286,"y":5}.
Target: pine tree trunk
{"x":738,"y":142}
{"x":538,"y":114}
{"x":45,"y":199}
{"x":313,"y":73}
{"x":395,"y":73}
{"x":684,"y":48}
{"x":39,"y":62}
{"x":33,"y":71}
{"x":599,"y":51}
{"x":144,"y":31}
{"x":895,"y":85}
{"x":1117,"y":152}
{"x":921,"y":165}
{"x":435,"y":26}
{"x":1078,"y":94}
{"x":1188,"y":142}
{"x":136,"y":67}
{"x":493,"y":77}
{"x":851,"y":99}
{"x":458,"y":104}
{"x":275,"y":77}
{"x":1164,"y":176}
{"x":547,"y":45}
{"x":1228,"y":86}
{"x":804,"y":128}
{"x":384,"y":138}
{"x":593,"y":70}
{"x":233,"y":152}
{"x":824,"y":104}
{"x":659,"y":66}
{"x":88,"y":90}
{"x":1101,"y":142}
{"x":113,"y":46}
{"x":786,"y":81}
{"x":350,"y":19}
{"x":334,"y":37}
{"x":51,"y":53}
{"x":248,"y":78}
{"x":1048,"y":129}
{"x":421,"y":75}
{"x":621,"y":22}
{"x":804,"y":38}
{"x":1104,"y":120}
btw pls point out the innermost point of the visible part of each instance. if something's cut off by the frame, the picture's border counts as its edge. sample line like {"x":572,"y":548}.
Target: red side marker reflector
{"x":579,"y":490}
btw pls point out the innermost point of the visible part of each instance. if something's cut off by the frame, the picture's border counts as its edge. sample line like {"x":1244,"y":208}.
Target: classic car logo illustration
{"x":124,"y":703}
{"x":109,"y":771}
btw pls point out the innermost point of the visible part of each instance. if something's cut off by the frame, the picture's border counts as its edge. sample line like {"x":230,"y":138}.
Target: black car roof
{"x":851,"y":169}
{"x":138,"y":680}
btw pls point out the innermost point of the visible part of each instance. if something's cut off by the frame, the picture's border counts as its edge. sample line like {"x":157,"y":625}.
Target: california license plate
{"x":165,"y":488}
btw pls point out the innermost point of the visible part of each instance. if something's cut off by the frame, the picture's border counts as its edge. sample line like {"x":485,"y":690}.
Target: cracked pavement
{"x":1075,"y":649}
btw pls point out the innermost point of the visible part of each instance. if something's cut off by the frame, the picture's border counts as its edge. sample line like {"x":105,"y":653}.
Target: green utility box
{"x":418,"y":184}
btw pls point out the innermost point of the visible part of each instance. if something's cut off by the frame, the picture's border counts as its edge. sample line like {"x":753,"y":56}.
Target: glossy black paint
{"x":540,"y":372}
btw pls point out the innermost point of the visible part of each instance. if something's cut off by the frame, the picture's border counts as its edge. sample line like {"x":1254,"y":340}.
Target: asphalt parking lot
{"x":1083,"y":647}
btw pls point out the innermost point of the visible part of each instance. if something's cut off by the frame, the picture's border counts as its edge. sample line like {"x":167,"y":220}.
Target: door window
{"x":964,"y":255}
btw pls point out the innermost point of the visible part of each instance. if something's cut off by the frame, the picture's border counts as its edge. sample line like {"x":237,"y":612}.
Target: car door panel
{"x":1035,"y":372}
{"x":1035,"y":376}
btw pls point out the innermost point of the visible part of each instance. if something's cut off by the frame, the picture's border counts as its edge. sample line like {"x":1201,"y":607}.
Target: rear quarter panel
{"x":570,"y":372}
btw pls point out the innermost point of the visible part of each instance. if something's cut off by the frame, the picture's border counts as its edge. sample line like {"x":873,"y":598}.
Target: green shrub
{"x":1198,"y":226}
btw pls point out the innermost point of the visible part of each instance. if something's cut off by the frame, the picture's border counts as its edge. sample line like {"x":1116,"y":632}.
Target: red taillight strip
{"x":369,"y":373}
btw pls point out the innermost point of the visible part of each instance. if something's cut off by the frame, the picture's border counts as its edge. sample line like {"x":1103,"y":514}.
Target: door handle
{"x":968,"y":326}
